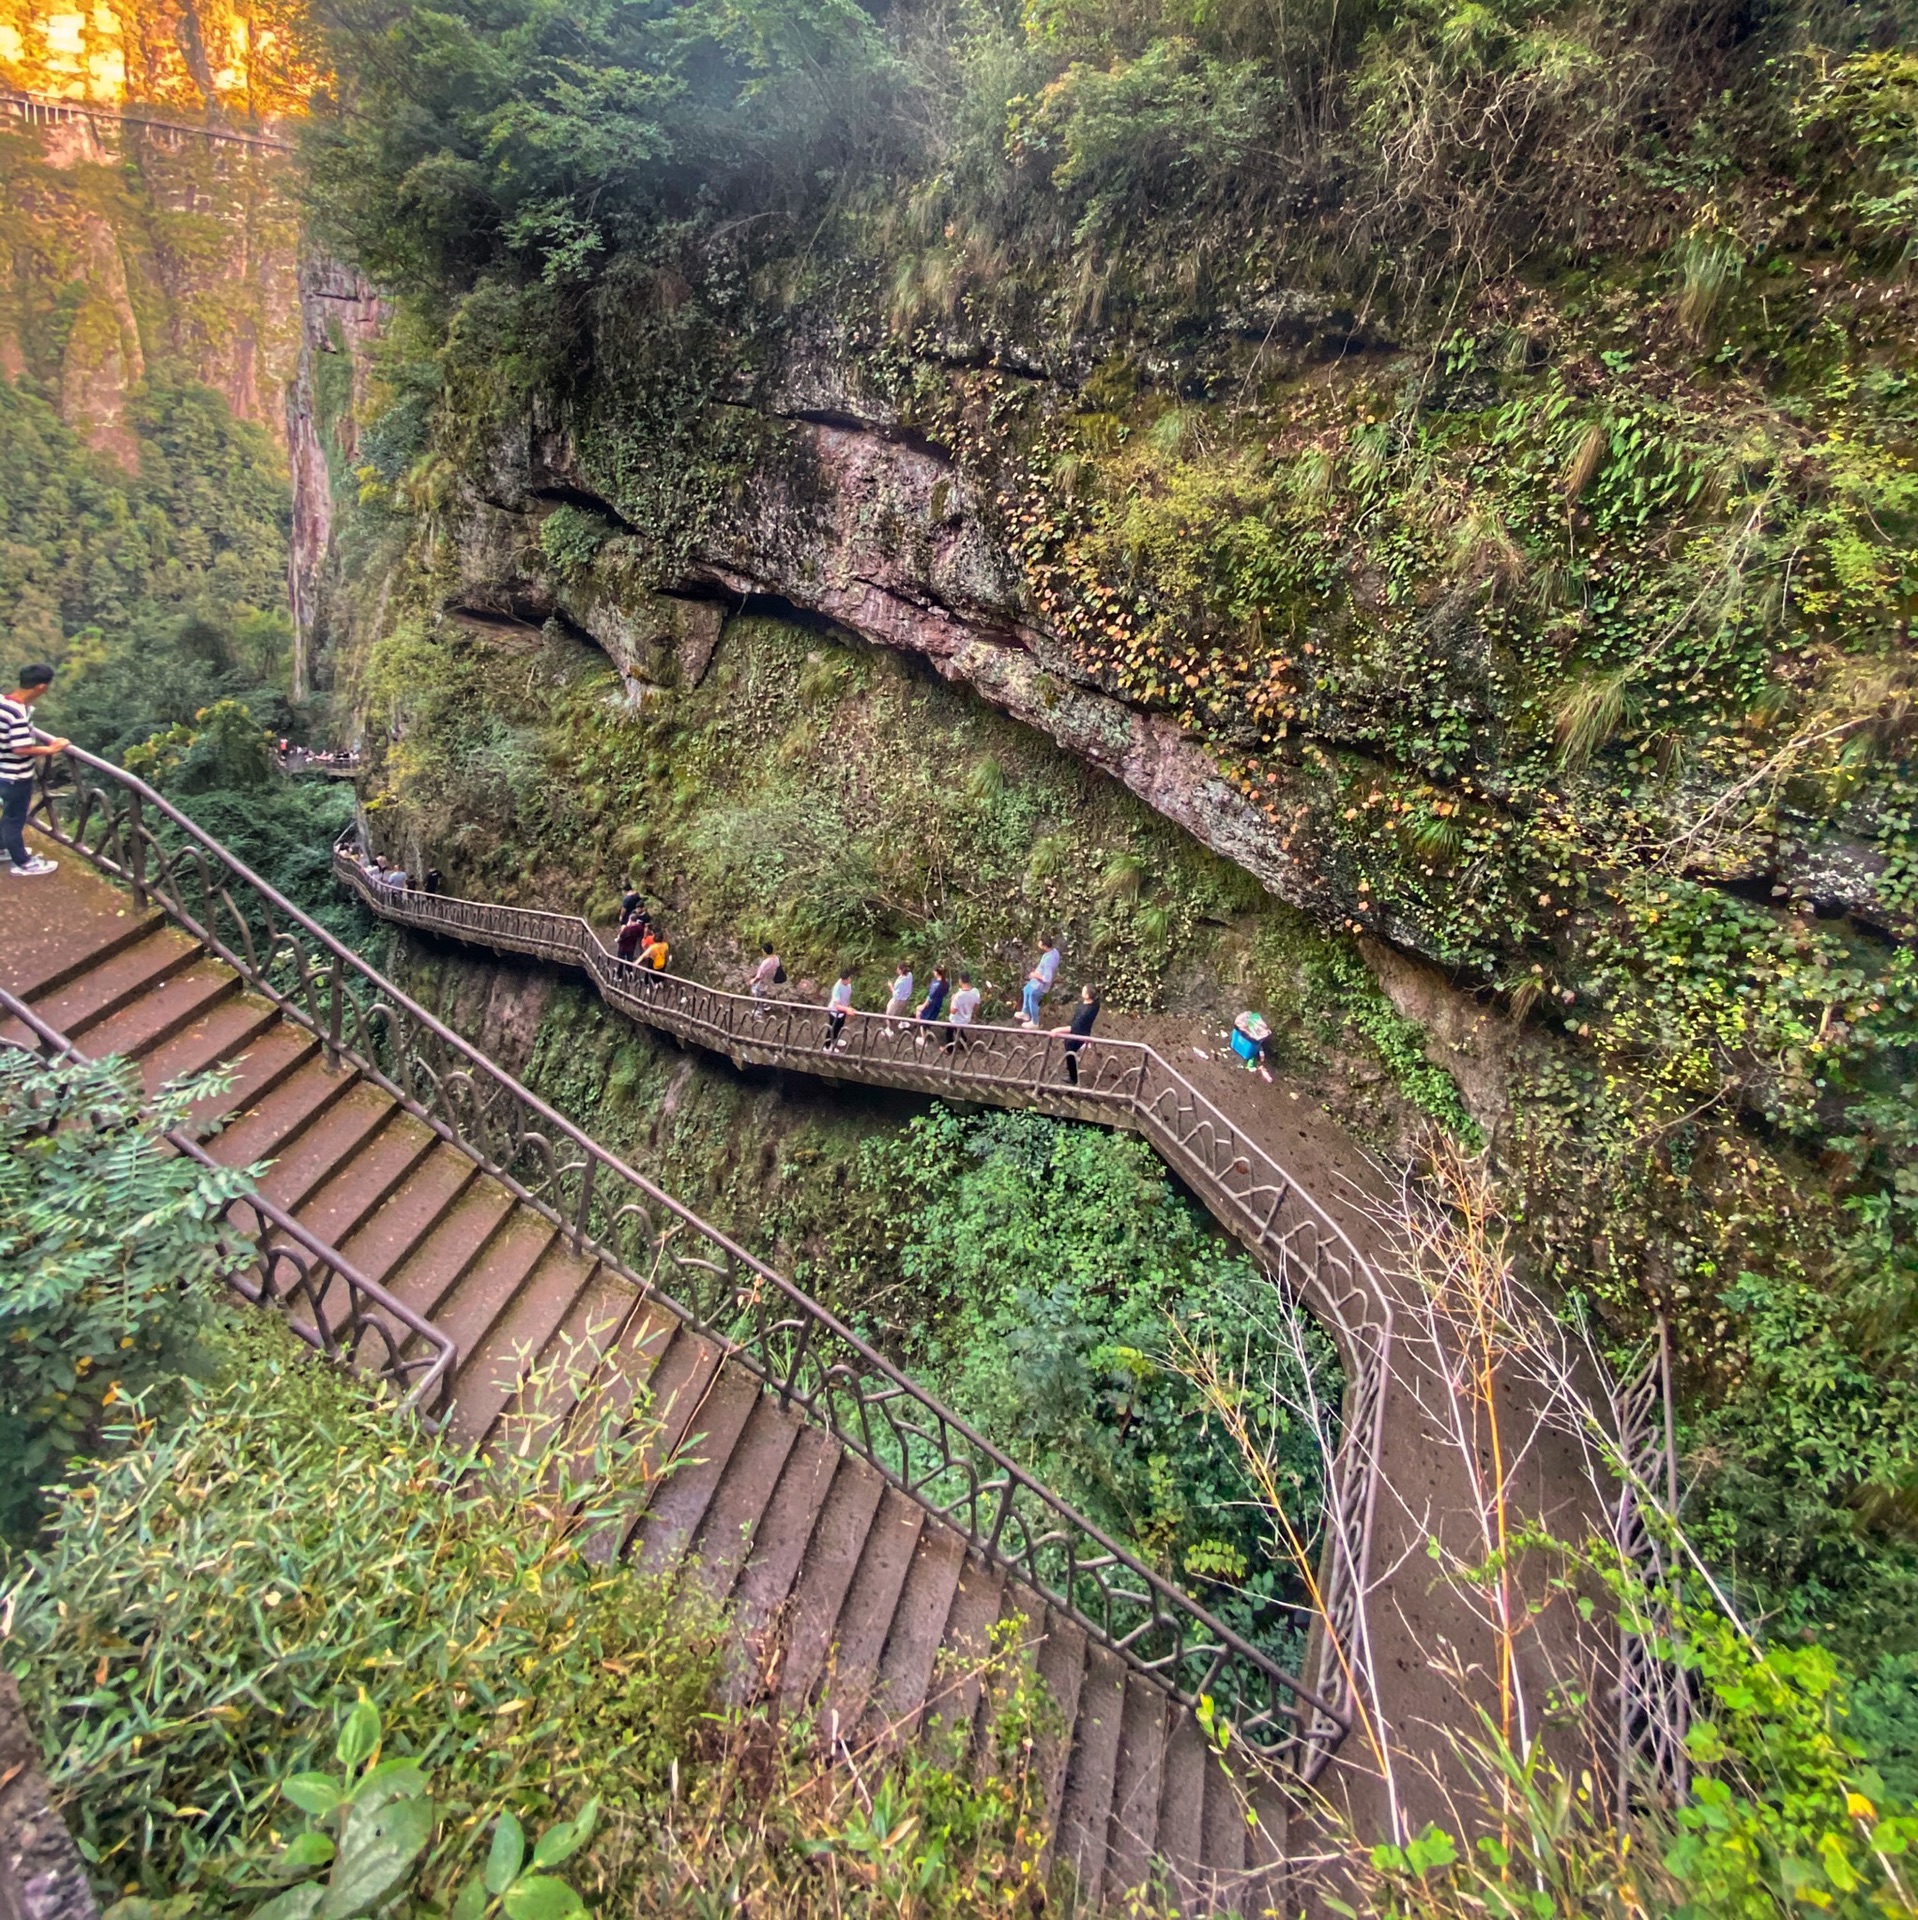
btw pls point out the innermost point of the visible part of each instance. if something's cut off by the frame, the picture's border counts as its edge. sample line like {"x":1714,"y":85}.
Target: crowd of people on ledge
{"x":642,"y":942}
{"x":395,"y":878}
{"x":295,"y":759}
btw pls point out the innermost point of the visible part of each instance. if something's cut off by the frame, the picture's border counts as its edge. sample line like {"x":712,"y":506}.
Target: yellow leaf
{"x":1857,"y":1807}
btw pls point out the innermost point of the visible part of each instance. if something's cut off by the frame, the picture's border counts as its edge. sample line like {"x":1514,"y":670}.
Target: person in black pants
{"x":1083,"y":1015}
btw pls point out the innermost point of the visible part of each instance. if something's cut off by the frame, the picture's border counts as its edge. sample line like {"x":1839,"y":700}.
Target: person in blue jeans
{"x":18,"y":753}
{"x":1039,"y":981}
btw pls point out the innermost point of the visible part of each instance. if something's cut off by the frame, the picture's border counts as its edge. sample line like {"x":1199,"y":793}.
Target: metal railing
{"x":802,"y":1351}
{"x":45,"y":110}
{"x":276,"y":1262}
{"x":1654,"y":1692}
{"x":1115,"y":1082}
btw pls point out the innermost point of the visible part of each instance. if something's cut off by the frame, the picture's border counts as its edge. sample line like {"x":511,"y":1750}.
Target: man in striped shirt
{"x":18,"y":751}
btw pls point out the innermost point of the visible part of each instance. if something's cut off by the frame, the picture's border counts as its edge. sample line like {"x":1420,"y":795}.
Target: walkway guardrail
{"x":277,"y":1263}
{"x":45,"y":110}
{"x":801,"y":1350}
{"x":1115,"y":1082}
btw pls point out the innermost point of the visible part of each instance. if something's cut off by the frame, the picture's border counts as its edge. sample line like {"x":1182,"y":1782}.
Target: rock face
{"x":139,"y":252}
{"x":42,"y":1876}
{"x":340,"y":316}
{"x":855,"y":523}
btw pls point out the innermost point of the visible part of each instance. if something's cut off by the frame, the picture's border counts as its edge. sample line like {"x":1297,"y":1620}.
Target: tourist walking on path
{"x":769,"y":973}
{"x":965,"y":1006}
{"x":899,"y":1004}
{"x":18,"y":751}
{"x":837,"y":1008}
{"x":934,"y":1004}
{"x":655,"y":953}
{"x":1250,"y":1037}
{"x":1083,"y":1015}
{"x":631,"y":933}
{"x":1039,"y":981}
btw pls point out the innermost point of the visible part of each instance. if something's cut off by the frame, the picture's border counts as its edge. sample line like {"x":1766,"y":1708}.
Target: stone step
{"x":826,"y":1573}
{"x":268,"y":1125}
{"x":492,"y":1376}
{"x":182,"y":998}
{"x":490,"y":1283}
{"x":360,"y":1185}
{"x":903,"y":1678}
{"x":395,"y":1229}
{"x":437,"y":1262}
{"x":1085,"y":1815}
{"x":95,"y":993}
{"x":1132,"y":1835}
{"x":674,"y":1513}
{"x":329,"y":1144}
{"x":866,"y":1615}
{"x":62,"y":945}
{"x":762,"y":1596}
{"x":218,"y":1039}
{"x":729,"y":1530}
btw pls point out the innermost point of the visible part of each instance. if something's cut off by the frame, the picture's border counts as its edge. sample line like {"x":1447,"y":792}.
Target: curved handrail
{"x":799,"y":1348}
{"x":371,"y":1314}
{"x":1118,"y":1082}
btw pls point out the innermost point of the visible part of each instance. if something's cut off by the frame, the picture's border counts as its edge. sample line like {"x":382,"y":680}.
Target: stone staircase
{"x":859,"y":1595}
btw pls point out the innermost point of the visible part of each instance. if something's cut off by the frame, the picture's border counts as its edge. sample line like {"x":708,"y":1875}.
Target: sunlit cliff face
{"x":239,"y":62}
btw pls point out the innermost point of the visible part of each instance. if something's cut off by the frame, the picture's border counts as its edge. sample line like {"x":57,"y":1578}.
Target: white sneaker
{"x":35,"y":867}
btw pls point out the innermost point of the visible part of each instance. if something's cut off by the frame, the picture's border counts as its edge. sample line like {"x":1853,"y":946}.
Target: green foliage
{"x":369,"y":1824}
{"x":224,"y":748}
{"x":1863,"y":114}
{"x":208,"y":1603}
{"x":540,"y":137}
{"x":1056,"y":1291}
{"x":1171,"y":128}
{"x":188,"y":554}
{"x":1783,"y":1815}
{"x":110,"y":1248}
{"x":1342,"y":980}
{"x":571,"y":538}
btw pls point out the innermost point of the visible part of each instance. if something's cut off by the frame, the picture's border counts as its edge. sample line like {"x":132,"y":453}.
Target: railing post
{"x":582,"y":1217}
{"x":137,"y":851}
{"x":335,"y":997}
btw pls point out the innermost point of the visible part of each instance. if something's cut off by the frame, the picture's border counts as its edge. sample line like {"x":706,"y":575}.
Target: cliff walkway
{"x":48,"y":110}
{"x":1443,"y":1439}
{"x":428,"y":1220}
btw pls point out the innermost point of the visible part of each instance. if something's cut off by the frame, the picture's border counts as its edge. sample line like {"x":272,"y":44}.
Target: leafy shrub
{"x":1783,"y":1815}
{"x":289,"y":1574}
{"x":1058,"y":1286}
{"x":1172,"y":128}
{"x":570,"y":538}
{"x":109,"y":1246}
{"x":369,"y":1825}
{"x":206,"y":1606}
{"x":224,"y":747}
